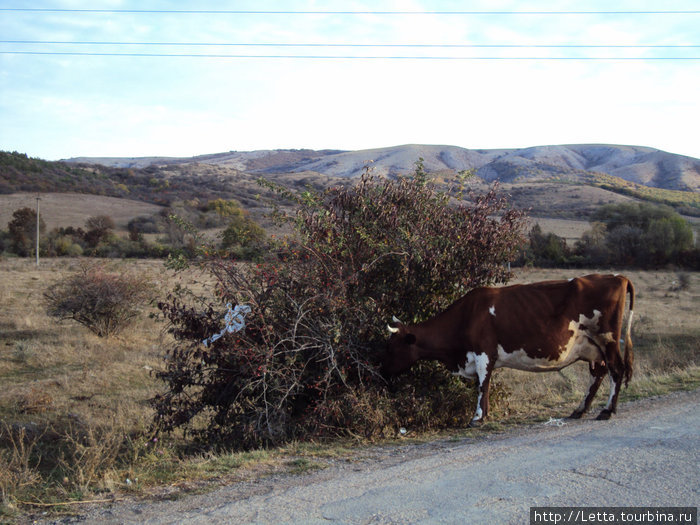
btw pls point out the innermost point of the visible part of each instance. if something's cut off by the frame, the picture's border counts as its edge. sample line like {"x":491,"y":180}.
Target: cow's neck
{"x":432,"y":347}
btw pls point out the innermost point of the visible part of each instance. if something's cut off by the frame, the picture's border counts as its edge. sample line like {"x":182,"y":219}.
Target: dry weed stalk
{"x":89,"y":453}
{"x":17,"y":463}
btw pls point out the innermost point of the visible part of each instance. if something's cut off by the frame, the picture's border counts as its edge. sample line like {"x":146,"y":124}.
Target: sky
{"x":60,"y":100}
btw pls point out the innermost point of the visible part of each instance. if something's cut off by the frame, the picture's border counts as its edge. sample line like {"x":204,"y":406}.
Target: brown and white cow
{"x":536,"y":327}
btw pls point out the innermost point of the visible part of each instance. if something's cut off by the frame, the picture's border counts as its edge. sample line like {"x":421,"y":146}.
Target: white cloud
{"x":65,"y":106}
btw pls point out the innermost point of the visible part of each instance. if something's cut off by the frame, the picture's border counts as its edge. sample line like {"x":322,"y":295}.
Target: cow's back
{"x":537,"y":317}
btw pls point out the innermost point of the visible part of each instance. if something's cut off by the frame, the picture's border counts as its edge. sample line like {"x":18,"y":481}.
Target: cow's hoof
{"x":475,"y":423}
{"x":604,"y":415}
{"x":576,"y":414}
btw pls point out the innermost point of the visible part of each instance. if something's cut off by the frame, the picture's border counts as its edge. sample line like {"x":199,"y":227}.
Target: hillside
{"x":641,"y":165}
{"x":72,"y":209}
{"x":566,"y":182}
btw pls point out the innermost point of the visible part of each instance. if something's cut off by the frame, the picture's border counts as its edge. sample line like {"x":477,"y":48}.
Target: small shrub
{"x":241,"y":231}
{"x":681,"y":283}
{"x":102,"y":301}
{"x":66,"y":246}
{"x":143,"y":224}
{"x":88,"y":453}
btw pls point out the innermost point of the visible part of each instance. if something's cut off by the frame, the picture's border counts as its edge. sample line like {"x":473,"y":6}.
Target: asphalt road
{"x":647,"y":455}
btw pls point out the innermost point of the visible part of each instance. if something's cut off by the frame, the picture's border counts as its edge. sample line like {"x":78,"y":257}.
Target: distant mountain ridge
{"x":642,"y":165}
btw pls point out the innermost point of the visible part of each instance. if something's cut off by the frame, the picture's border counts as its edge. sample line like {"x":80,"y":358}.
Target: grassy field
{"x":73,"y":209}
{"x":81,"y":402}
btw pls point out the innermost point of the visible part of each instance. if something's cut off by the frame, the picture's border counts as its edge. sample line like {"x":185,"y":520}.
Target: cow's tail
{"x":629,"y":353}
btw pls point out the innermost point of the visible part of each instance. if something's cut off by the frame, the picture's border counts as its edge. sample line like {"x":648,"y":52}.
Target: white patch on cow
{"x":613,"y":386}
{"x":579,"y":346}
{"x":469,"y":368}
{"x":478,"y":414}
{"x":492,"y":311}
{"x":482,"y":363}
{"x":590,"y":322}
{"x":475,"y":366}
{"x":571,"y":279}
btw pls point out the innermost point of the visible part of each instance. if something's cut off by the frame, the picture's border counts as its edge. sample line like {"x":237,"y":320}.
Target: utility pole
{"x":38,"y":198}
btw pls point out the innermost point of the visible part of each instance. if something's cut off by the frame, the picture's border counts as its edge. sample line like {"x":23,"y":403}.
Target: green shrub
{"x":242,"y":231}
{"x":65,"y":246}
{"x":545,"y":249}
{"x":638,"y":234}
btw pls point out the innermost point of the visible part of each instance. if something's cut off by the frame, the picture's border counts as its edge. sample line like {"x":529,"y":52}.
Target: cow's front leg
{"x":483,"y":370}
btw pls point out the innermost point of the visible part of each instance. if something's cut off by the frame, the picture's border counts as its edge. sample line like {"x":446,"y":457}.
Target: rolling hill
{"x":566,"y":184}
{"x":640,"y":165}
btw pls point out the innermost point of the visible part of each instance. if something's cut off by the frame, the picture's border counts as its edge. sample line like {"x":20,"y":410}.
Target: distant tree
{"x":546,"y":249}
{"x":98,"y":228}
{"x":144,"y":224}
{"x":592,"y":247}
{"x":625,"y":245}
{"x":636,"y":214}
{"x":241,"y":231}
{"x":644,"y":234}
{"x":181,"y":233}
{"x":667,"y":238}
{"x":22,"y":231}
{"x":4,"y":241}
{"x":224,"y":208}
{"x":100,"y":223}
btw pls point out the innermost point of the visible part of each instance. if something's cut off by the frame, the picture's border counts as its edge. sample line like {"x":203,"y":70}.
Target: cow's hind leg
{"x":616,"y":371}
{"x":598,"y":371}
{"x":483,"y":373}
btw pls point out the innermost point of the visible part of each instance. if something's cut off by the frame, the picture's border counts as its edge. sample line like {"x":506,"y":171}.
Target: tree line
{"x":621,"y":235}
{"x":631,"y":234}
{"x":173,"y":232}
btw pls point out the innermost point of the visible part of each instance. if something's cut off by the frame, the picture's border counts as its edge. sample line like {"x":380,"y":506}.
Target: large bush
{"x":306,"y":362}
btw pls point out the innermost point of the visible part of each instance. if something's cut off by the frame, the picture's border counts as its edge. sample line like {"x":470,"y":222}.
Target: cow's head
{"x":401,"y":351}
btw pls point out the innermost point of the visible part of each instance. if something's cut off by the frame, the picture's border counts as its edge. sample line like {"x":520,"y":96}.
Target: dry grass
{"x":68,"y":396}
{"x":73,"y":209}
{"x":80,"y":402}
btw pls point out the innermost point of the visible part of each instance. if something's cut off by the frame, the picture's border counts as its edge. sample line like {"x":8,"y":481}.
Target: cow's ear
{"x":409,"y":339}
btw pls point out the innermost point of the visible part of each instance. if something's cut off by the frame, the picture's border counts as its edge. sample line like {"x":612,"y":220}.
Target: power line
{"x":275,"y":12}
{"x":336,"y":45}
{"x":337,"y":57}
